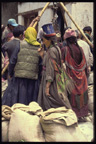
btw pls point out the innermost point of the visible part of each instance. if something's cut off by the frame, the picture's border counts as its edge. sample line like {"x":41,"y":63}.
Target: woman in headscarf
{"x":49,"y":96}
{"x":74,"y":59}
{"x":24,"y":71}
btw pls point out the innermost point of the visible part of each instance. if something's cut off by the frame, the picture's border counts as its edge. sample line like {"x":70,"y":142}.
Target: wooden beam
{"x":81,"y":31}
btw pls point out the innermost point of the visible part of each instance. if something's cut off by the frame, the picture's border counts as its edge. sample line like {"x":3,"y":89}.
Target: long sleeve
{"x":90,"y":58}
{"x":52,"y":54}
{"x":13,"y":61}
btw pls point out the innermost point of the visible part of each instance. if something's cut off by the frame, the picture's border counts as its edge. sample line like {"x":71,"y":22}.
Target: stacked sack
{"x":60,"y":125}
{"x":28,"y":123}
{"x":6,"y":115}
{"x":24,"y":124}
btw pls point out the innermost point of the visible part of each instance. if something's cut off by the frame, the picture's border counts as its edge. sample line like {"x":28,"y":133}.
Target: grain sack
{"x":6,"y":115}
{"x":91,"y":98}
{"x":32,"y":108}
{"x":25,"y":127}
{"x":5,"y":127}
{"x":60,"y":125}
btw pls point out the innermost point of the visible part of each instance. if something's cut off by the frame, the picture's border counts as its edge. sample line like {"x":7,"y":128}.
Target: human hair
{"x":72,"y":40}
{"x":18,"y":30}
{"x":87,"y":28}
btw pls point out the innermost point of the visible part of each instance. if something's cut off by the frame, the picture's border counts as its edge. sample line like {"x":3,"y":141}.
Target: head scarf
{"x":31,"y":36}
{"x":69,"y":33}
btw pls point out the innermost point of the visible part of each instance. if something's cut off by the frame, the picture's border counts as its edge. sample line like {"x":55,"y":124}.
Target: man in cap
{"x":8,"y":29}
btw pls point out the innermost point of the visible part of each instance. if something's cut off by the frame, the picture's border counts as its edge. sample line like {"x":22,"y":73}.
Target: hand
{"x":89,"y":69}
{"x":9,"y":77}
{"x":47,"y":91}
{"x":41,"y":52}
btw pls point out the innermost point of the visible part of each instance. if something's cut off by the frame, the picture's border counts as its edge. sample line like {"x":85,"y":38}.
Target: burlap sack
{"x":60,"y":125}
{"x":4,"y":86}
{"x":91,"y":98}
{"x":32,"y":108}
{"x":5,"y":127}
{"x":25,"y":127}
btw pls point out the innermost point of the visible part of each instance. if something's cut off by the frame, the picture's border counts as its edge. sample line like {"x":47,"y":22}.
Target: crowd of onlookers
{"x":35,"y":59}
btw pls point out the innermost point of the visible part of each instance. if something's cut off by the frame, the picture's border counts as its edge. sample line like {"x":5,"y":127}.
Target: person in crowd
{"x":87,"y":52}
{"x":74,"y":59}
{"x":48,"y":96}
{"x":24,"y":71}
{"x":91,"y":49}
{"x":11,"y":24}
{"x":11,"y":44}
{"x":15,"y":37}
{"x":2,"y":29}
{"x":88,"y":31}
{"x":64,"y":41}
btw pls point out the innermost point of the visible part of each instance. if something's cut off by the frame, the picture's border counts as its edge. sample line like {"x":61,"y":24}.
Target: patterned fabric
{"x":64,"y":82}
{"x":79,"y":95}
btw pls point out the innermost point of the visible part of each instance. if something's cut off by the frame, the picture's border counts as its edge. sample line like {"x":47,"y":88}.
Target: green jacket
{"x":27,"y":65}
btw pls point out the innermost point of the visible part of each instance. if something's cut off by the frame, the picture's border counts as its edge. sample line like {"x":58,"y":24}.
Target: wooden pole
{"x":41,"y":13}
{"x":4,"y":69}
{"x":81,"y":31}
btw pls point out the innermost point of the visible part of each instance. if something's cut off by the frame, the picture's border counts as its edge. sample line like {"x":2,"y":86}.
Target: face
{"x":89,"y":32}
{"x":21,"y":37}
{"x":11,"y":27}
{"x":72,"y":40}
{"x":46,"y":42}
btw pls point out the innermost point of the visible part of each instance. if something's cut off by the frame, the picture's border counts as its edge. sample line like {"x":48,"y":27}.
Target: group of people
{"x":35,"y":60}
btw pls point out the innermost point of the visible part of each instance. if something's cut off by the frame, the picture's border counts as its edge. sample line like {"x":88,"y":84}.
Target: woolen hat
{"x":48,"y":30}
{"x":69,"y":33}
{"x":12,"y":22}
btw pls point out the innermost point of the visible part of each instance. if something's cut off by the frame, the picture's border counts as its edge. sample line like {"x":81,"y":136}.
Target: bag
{"x":25,"y":127}
{"x":5,"y":127}
{"x":60,"y":125}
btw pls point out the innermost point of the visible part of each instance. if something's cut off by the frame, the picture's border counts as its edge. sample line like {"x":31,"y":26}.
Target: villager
{"x":75,"y":62}
{"x":12,"y":43}
{"x":9,"y":46}
{"x":11,"y":24}
{"x":24,"y":71}
{"x":49,"y":96}
{"x":64,"y":41}
{"x":91,"y":49}
{"x":88,"y":55}
{"x":88,"y":31}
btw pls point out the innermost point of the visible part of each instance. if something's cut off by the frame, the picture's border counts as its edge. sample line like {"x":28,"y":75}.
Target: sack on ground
{"x":25,"y":127}
{"x":32,"y":108}
{"x":60,"y":125}
{"x":5,"y":127}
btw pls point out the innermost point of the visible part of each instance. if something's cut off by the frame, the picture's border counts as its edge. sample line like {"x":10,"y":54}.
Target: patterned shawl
{"x":79,"y":95}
